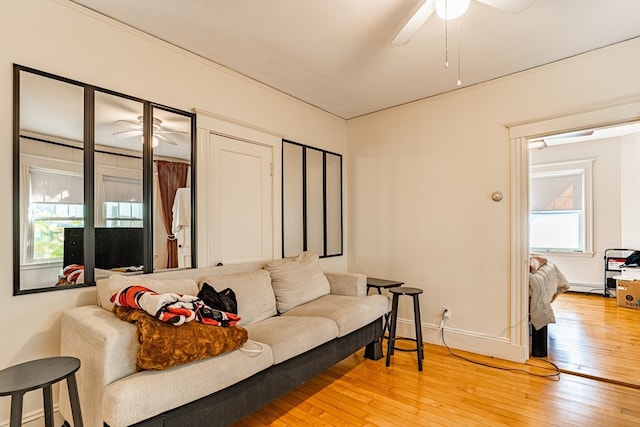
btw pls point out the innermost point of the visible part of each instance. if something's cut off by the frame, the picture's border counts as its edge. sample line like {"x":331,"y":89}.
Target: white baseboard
{"x":472,"y":342}
{"x":587,"y":288}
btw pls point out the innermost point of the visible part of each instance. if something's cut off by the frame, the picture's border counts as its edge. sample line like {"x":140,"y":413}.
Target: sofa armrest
{"x":351,"y":284}
{"x":106,"y":347}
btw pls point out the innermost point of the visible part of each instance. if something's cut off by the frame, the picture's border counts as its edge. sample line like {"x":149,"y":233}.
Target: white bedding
{"x":545,"y":284}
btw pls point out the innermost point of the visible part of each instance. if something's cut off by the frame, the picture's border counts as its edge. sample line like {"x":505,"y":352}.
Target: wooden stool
{"x":42,"y":373}
{"x":391,"y":343}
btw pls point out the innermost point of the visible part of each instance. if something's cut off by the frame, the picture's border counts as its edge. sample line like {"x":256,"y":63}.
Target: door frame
{"x":208,"y":123}
{"x":612,"y":112}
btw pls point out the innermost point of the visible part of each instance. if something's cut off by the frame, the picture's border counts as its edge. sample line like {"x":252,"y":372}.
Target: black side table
{"x":379,"y":285}
{"x":42,"y":373}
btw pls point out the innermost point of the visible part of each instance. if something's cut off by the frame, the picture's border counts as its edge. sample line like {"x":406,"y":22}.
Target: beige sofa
{"x":299,"y":320}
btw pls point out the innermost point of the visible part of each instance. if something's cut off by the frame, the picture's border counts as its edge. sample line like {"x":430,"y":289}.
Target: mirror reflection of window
{"x":55,"y":203}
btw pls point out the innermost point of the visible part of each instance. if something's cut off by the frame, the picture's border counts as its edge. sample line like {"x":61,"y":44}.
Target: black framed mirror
{"x":87,"y":197}
{"x":311,"y":200}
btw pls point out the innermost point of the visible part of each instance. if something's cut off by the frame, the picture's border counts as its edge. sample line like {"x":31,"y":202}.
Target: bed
{"x":546,"y":282}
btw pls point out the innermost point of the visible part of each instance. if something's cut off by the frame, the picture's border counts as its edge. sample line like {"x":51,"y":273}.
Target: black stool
{"x":391,"y":344}
{"x":43,"y":373}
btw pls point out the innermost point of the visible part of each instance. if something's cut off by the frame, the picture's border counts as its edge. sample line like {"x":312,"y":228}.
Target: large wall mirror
{"x":103,"y":183}
{"x":311,"y":200}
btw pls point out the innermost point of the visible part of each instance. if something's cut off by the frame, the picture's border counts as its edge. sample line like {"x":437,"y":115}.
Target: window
{"x":56,"y":203}
{"x":560,"y":207}
{"x":122,"y":202}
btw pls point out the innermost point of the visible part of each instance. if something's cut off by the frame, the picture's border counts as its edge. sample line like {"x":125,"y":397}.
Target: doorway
{"x":582,"y":201}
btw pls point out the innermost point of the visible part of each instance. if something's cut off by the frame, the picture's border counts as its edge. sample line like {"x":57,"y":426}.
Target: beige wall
{"x":61,"y":38}
{"x":630,"y":191}
{"x":422,"y":175}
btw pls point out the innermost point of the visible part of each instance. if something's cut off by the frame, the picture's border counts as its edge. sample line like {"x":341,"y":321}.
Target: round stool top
{"x":405,"y":290}
{"x":36,"y":374}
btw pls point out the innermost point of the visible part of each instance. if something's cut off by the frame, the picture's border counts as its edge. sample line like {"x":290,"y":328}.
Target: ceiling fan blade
{"x":576,"y":134}
{"x":414,"y":23}
{"x":164,"y":131}
{"x":165,"y":139}
{"x":129,"y":124}
{"x":128,"y":134}
{"x":509,"y":6}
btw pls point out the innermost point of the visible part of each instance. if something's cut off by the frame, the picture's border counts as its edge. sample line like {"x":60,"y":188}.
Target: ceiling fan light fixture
{"x":154,"y":141}
{"x":451,"y":9}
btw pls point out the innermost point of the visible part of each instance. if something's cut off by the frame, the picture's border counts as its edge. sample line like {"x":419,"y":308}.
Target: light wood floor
{"x":449,"y":392}
{"x":593,"y":336}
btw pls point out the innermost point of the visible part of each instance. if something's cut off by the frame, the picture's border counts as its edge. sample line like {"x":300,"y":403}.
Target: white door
{"x":242,"y":208}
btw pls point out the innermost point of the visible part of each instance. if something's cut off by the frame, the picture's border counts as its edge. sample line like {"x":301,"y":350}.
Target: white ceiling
{"x":336,"y":54}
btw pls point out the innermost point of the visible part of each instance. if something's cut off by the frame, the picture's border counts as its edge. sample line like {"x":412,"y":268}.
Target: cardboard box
{"x":628,"y":293}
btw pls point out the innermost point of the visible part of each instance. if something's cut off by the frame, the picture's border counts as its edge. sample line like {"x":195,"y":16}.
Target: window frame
{"x":585,"y":168}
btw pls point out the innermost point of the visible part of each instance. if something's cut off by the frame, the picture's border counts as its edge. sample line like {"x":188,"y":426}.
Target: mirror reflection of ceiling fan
{"x":136,"y":131}
{"x":451,"y":9}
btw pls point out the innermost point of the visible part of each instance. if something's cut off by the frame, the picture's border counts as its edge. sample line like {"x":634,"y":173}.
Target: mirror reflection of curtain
{"x":171,"y":176}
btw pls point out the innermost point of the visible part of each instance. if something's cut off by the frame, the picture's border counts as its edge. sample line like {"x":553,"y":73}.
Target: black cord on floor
{"x":554,"y":376}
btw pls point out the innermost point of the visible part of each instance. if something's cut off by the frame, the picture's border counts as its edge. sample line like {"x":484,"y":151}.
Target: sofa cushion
{"x":148,"y":393}
{"x":254,"y":294}
{"x":116,"y":282}
{"x":290,"y":336}
{"x":297,"y":280}
{"x":349,"y":313}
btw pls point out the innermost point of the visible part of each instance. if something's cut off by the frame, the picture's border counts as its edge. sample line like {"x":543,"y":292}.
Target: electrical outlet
{"x":446,"y":312}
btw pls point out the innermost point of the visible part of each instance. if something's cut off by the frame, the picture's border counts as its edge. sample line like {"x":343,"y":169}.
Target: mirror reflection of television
{"x":116,"y":248}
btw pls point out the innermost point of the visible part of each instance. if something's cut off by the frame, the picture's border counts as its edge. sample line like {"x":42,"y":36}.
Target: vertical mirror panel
{"x":118,"y":180}
{"x":292,"y":196}
{"x":315,"y":201}
{"x":172,"y":156}
{"x":51,"y":183}
{"x":333,"y":173}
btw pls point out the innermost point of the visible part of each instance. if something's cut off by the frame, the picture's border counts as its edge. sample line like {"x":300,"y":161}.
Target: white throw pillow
{"x":297,"y":280}
{"x":107,"y":287}
{"x":254,"y":294}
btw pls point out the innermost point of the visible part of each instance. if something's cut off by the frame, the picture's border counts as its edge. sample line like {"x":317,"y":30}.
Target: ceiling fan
{"x":451,"y":9}
{"x":136,"y":130}
{"x":560,"y":139}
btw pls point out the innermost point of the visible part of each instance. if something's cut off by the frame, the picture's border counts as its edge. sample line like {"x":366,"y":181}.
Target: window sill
{"x":564,"y":254}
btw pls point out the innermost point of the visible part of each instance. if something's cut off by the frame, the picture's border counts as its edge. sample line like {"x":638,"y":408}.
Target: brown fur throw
{"x":163,"y":345}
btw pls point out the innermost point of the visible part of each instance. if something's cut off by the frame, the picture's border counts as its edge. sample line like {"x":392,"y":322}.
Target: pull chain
{"x":446,"y":37}
{"x":459,"y":79}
